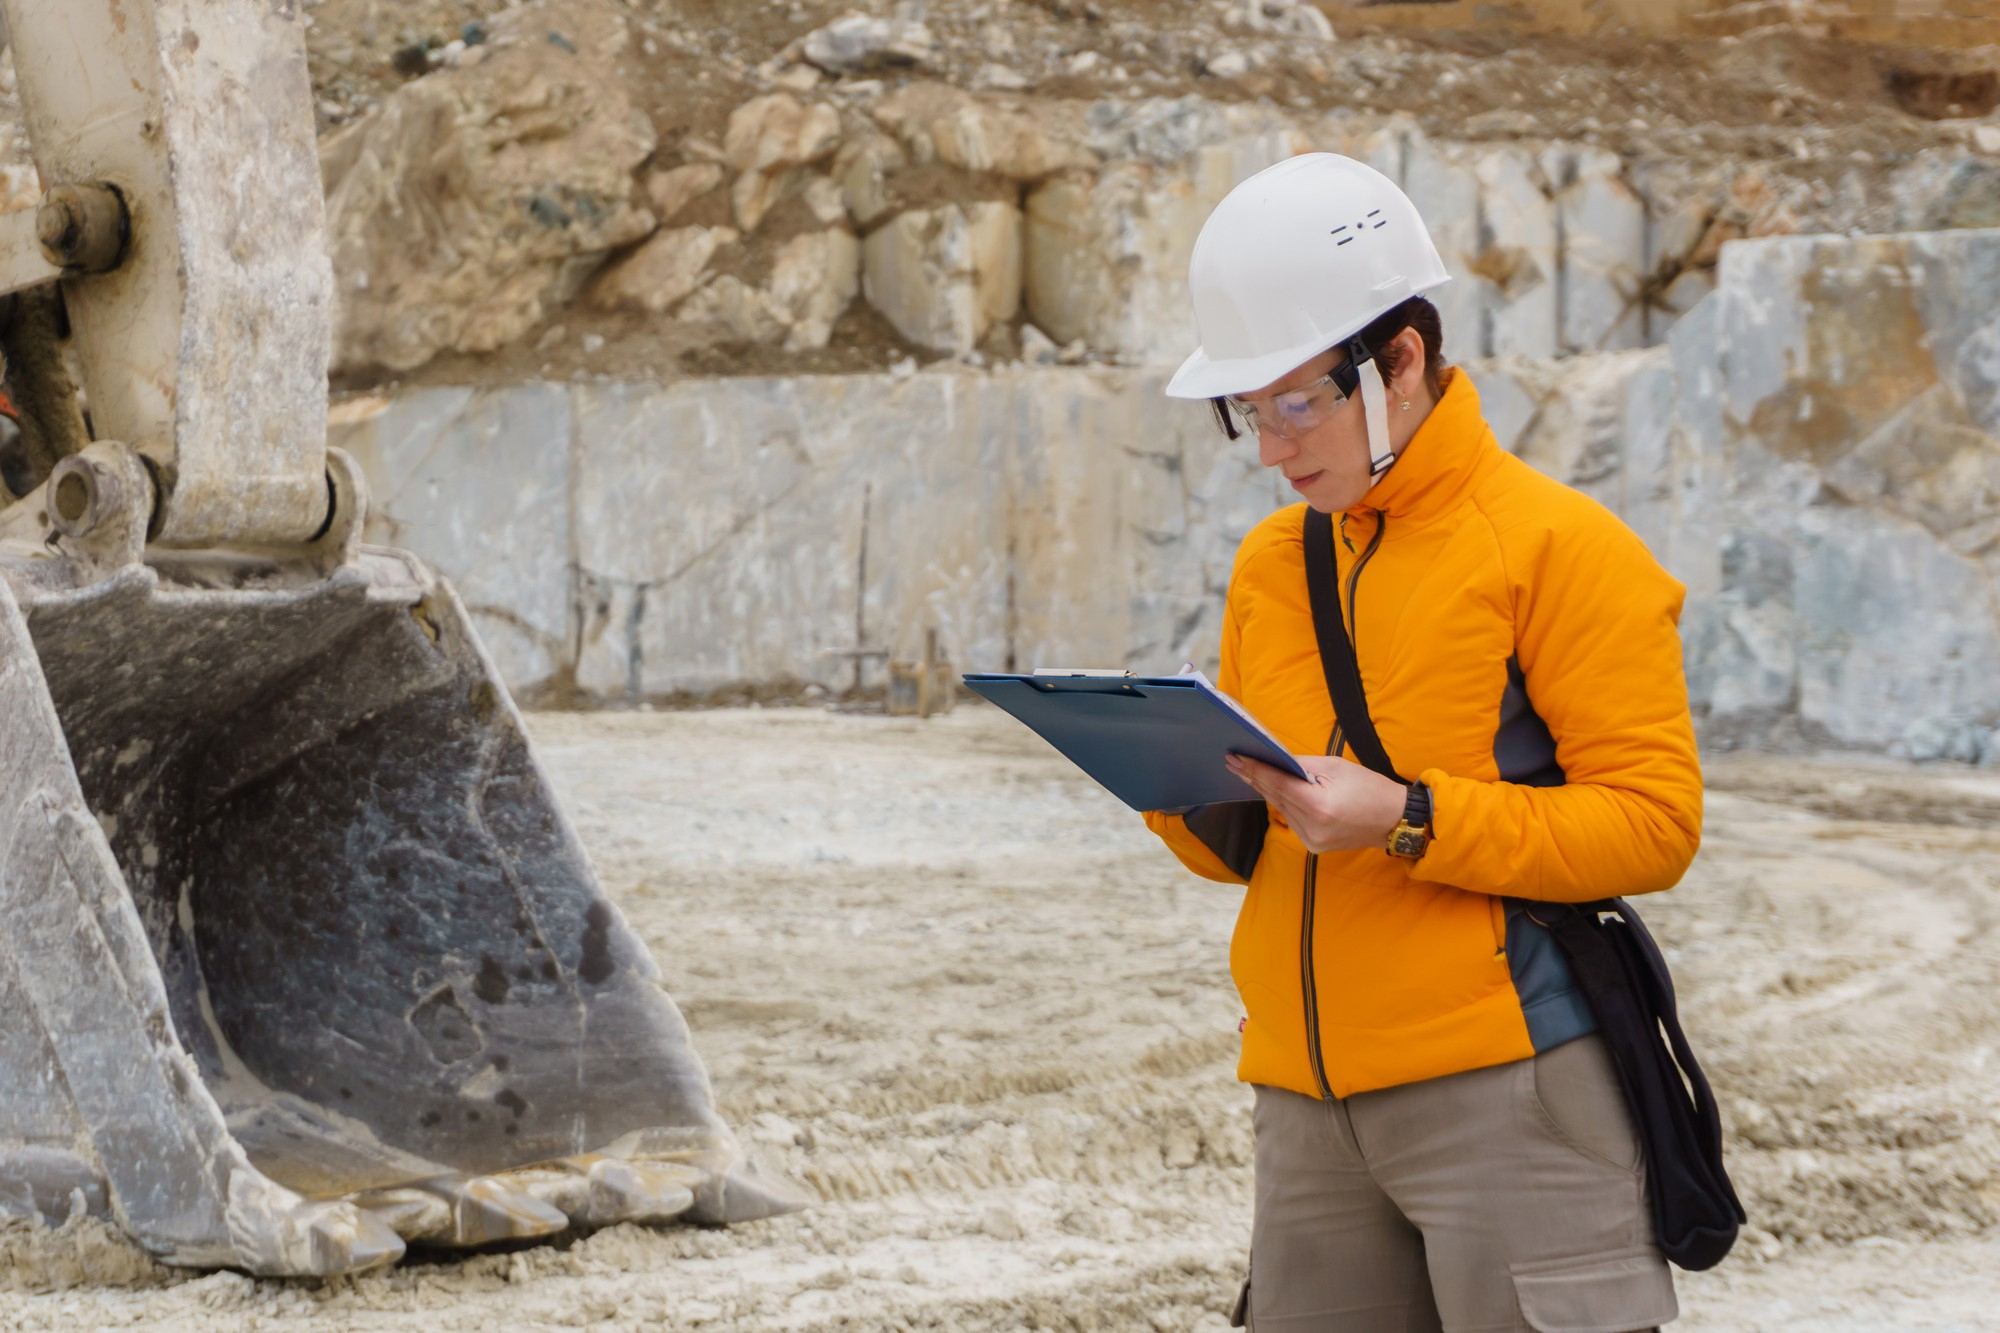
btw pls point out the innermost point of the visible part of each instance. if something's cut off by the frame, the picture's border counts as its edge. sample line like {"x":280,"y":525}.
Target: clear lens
{"x":1290,"y":414}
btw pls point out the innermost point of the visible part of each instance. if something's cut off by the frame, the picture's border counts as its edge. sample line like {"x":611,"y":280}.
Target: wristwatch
{"x":1412,"y":837}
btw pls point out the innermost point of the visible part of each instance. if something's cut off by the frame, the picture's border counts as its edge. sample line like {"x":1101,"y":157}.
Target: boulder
{"x":862,"y":169}
{"x":943,"y":276}
{"x":675,"y":188}
{"x":470,"y":203}
{"x":756,"y":193}
{"x":1106,"y":258}
{"x":661,"y":273}
{"x":738,"y":309}
{"x":778,"y":130}
{"x":858,"y":42}
{"x":1959,"y":739}
{"x":824,"y":200}
{"x":813,"y":278}
{"x":768,"y":138}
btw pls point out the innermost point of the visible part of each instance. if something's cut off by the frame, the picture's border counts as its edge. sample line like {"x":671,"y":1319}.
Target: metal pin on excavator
{"x":299,"y":958}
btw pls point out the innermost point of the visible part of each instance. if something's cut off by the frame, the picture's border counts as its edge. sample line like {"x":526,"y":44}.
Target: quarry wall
{"x":1813,"y":452}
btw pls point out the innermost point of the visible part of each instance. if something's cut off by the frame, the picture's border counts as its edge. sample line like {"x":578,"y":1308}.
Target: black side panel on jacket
{"x":1523,"y":749}
{"x":1234,"y":831}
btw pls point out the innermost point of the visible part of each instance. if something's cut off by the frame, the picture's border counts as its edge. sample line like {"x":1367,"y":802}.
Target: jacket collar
{"x":1450,"y":452}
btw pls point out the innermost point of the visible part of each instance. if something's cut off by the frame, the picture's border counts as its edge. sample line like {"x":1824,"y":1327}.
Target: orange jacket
{"x":1520,"y":651}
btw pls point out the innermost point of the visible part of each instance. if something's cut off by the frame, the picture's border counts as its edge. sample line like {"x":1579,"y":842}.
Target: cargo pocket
{"x":1618,"y":1292}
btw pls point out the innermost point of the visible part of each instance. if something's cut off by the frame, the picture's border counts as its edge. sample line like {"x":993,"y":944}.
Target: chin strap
{"x":1375,"y":403}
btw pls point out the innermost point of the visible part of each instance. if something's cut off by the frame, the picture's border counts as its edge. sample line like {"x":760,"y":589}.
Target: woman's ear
{"x":1412,"y":366}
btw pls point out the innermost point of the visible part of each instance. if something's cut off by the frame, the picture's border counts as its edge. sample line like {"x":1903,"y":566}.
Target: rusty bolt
{"x":83,"y":228}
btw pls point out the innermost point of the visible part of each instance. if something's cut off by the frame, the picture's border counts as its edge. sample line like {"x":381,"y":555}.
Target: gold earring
{"x":1406,"y":404}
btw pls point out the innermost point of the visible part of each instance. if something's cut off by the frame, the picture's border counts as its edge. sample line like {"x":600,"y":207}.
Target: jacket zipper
{"x":1310,"y":984}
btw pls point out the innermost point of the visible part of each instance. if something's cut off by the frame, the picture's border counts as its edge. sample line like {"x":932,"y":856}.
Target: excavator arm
{"x":302,"y":959}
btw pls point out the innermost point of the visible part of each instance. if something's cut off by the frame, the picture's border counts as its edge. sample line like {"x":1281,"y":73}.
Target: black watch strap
{"x":1417,"y":806}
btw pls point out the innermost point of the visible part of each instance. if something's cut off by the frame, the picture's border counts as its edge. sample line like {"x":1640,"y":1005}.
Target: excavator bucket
{"x":300,"y":960}
{"x":301,"y":957}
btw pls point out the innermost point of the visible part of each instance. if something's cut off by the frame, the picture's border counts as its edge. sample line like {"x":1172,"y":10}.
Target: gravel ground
{"x":951,"y":986}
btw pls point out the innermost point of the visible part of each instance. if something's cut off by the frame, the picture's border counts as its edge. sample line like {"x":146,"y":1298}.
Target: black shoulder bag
{"x":1695,"y":1210}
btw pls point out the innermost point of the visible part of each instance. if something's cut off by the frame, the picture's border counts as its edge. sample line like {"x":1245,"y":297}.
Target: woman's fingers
{"x":1283,"y":792}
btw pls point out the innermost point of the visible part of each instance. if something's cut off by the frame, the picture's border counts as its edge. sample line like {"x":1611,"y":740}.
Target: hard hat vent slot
{"x":1373,"y":222}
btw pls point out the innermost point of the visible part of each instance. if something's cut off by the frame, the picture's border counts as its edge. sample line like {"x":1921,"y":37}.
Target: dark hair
{"x":1416,"y":313}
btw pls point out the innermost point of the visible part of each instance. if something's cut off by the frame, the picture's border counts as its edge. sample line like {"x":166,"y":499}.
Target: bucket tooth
{"x":462,"y":1211}
{"x":598,"y":1191}
{"x":732,"y":1188}
{"x":414,"y":1214}
{"x":278,"y":1234}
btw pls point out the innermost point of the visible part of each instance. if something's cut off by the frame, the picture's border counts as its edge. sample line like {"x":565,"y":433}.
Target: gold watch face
{"x":1408,"y":841}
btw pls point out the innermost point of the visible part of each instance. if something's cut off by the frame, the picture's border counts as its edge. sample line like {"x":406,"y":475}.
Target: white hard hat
{"x":1296,"y":260}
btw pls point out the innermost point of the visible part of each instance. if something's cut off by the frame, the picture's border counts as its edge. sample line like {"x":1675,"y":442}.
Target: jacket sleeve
{"x":1599,"y":645}
{"x":1218,"y":842}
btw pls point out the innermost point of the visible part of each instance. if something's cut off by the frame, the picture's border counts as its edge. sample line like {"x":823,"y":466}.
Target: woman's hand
{"x":1345,"y":807}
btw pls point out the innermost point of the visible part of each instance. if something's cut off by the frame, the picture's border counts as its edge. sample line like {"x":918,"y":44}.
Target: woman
{"x":1441,"y":1139}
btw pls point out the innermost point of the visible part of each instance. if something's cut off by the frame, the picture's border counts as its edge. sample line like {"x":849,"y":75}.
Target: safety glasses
{"x":1297,"y":412}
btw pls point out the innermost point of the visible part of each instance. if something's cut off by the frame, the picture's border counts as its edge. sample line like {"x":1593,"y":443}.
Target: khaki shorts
{"x":1505,"y":1198}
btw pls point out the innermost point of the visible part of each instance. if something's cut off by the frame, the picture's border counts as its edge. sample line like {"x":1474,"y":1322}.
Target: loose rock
{"x":663,"y":272}
{"x":976,"y":134}
{"x":778,"y":130}
{"x":859,"y":42}
{"x":744,"y":311}
{"x":673,"y":190}
{"x":813,"y":279}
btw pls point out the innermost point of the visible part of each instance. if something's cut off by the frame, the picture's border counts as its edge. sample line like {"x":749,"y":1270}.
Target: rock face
{"x":472,"y":202}
{"x":1816,"y":455}
{"x":480,"y":198}
{"x":727,"y":522}
{"x":1550,"y":248}
{"x":1859,"y":406}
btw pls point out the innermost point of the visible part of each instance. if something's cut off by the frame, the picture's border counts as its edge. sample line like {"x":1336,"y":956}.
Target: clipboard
{"x":1154,"y":742}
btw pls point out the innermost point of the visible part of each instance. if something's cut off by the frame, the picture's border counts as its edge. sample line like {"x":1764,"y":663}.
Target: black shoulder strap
{"x":1336,"y":650}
